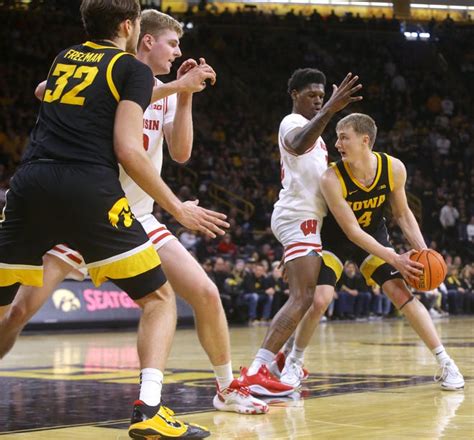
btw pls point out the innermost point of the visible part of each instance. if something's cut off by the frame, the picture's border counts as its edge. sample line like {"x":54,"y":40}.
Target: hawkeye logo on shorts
{"x":121,"y":210}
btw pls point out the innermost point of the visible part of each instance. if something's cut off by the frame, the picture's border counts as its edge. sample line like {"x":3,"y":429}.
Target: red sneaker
{"x":263,"y":383}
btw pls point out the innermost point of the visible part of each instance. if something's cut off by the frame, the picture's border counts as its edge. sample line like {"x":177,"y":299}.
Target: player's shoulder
{"x":294,"y":118}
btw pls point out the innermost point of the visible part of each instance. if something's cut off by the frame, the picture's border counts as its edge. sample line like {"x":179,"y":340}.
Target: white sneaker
{"x":292,"y":374}
{"x":237,"y":398}
{"x":450,"y":377}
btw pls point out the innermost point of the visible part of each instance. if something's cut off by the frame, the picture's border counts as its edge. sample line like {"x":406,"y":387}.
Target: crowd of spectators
{"x":417,"y":91}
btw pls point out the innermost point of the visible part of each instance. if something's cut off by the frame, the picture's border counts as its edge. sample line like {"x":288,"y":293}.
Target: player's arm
{"x":301,"y":139}
{"x":39,"y":91}
{"x":192,"y":81}
{"x":332,"y":192}
{"x":179,"y":133}
{"x":400,"y":209}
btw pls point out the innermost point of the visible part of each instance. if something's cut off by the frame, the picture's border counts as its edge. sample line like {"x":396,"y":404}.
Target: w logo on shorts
{"x":121,"y":209}
{"x":309,"y":227}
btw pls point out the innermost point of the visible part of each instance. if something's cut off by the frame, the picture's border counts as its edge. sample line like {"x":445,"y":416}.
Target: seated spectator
{"x":189,"y":240}
{"x":457,"y":292}
{"x":226,"y":247}
{"x":275,"y":285}
{"x":254,"y":294}
{"x":380,"y":304}
{"x":353,"y":295}
{"x":220,"y":273}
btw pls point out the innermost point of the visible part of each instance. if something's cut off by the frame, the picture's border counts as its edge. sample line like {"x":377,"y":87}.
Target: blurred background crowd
{"x":418,"y":92}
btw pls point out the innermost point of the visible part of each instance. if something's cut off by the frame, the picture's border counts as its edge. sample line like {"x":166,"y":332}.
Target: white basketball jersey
{"x":300,"y":174}
{"x":156,"y":116}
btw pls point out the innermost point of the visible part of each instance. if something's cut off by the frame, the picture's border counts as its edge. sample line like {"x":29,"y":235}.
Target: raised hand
{"x":193,"y":76}
{"x":343,"y":95}
{"x":409,"y":269}
{"x":185,"y":67}
{"x":203,"y":220}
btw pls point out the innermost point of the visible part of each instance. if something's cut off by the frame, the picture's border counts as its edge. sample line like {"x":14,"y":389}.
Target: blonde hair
{"x":153,"y":22}
{"x":361,"y":123}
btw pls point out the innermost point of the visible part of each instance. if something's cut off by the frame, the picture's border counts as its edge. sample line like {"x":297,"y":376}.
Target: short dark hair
{"x":101,"y":18}
{"x":301,"y":78}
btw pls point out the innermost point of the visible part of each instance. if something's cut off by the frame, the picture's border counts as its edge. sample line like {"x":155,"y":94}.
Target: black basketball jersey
{"x":367,"y":203}
{"x":84,"y":86}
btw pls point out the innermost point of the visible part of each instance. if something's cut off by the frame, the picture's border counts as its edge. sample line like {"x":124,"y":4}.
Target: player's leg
{"x":302,"y":274}
{"x":192,"y":284}
{"x":29,"y":300}
{"x":421,"y":322}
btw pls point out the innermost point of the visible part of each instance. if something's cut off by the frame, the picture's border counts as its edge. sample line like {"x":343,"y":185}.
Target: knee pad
{"x":8,"y":293}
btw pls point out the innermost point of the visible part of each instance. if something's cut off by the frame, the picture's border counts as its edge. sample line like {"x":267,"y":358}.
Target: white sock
{"x":224,"y":375}
{"x":263,"y":357}
{"x":297,"y":354}
{"x":151,"y":382}
{"x":288,"y":346}
{"x":441,"y":355}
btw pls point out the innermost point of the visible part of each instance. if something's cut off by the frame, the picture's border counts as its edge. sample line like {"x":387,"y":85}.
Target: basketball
{"x":434,"y":271}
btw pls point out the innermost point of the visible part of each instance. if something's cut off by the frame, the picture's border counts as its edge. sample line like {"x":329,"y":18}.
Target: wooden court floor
{"x":369,"y":380}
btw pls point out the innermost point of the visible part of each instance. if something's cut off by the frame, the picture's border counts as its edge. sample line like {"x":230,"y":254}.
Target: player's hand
{"x":194,"y":79}
{"x":409,"y":269}
{"x":186,"y":67}
{"x":208,"y":222}
{"x":345,"y":93}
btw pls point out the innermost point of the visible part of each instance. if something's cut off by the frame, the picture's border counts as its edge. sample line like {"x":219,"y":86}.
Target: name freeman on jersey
{"x":374,"y":202}
{"x":87,"y":57}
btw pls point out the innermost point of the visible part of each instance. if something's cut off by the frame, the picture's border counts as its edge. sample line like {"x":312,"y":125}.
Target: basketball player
{"x":297,"y":216}
{"x":172,"y":116}
{"x":67,"y":189}
{"x":357,"y":188}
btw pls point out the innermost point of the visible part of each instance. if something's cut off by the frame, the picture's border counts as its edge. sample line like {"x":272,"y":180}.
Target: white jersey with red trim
{"x":156,"y":116}
{"x":301,"y":194}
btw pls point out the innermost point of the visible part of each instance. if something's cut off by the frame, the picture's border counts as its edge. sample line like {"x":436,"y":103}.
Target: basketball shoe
{"x":237,"y":398}
{"x":278,"y":365}
{"x":292,"y":373}
{"x":263,"y":383}
{"x":158,"y":421}
{"x":450,"y":377}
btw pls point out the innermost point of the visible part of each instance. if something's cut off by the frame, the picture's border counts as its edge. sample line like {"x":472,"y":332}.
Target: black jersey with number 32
{"x":84,"y":86}
{"x":367,"y":203}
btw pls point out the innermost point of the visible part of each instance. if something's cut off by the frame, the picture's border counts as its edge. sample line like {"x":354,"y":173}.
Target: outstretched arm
{"x":400,"y":209}
{"x":332,"y":191}
{"x":301,"y":139}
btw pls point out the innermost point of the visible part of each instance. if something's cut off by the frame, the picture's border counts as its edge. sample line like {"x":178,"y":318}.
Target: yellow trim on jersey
{"x":341,"y":180}
{"x":331,"y":261}
{"x":127,"y":267}
{"x":98,"y":46}
{"x":110,"y":80}
{"x":390,"y":172}
{"x":28,"y":275}
{"x":377,"y":176}
{"x":369,"y":266}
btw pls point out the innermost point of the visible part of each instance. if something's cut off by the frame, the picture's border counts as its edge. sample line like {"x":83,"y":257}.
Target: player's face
{"x":132,"y":40}
{"x":350,"y":144}
{"x":308,"y":101}
{"x":164,"y":51}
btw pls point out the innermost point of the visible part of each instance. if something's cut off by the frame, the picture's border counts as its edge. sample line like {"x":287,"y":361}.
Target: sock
{"x":441,"y":355}
{"x":151,"y":382}
{"x":297,"y":354}
{"x":224,"y":375}
{"x":288,"y":346}
{"x":263,"y":357}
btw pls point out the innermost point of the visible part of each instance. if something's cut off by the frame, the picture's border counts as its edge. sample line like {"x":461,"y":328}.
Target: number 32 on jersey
{"x":64,"y":72}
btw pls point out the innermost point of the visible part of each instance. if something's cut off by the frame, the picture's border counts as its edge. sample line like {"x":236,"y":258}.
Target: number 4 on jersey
{"x":365,"y":219}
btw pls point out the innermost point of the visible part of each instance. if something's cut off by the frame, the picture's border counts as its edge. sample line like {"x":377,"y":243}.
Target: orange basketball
{"x":434,"y":271}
